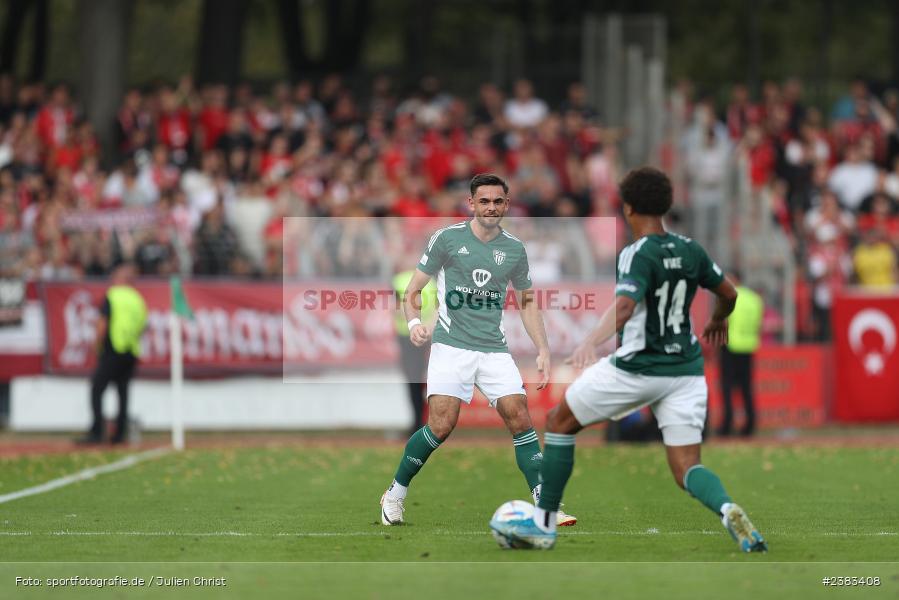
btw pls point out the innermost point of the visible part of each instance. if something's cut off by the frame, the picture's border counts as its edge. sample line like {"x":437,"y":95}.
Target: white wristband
{"x":412,"y":323}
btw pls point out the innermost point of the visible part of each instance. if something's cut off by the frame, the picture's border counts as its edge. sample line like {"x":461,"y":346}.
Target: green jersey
{"x":472,"y":278}
{"x":661,"y":273}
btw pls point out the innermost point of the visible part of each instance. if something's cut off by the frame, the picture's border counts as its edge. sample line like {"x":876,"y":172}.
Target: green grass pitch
{"x":305,"y":517}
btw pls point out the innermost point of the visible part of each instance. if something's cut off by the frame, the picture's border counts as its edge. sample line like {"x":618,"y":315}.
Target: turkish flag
{"x":866,"y":355}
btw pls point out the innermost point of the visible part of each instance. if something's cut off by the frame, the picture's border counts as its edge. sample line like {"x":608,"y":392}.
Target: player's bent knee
{"x":442,"y":428}
{"x":560,"y":419}
{"x":519,"y":422}
{"x":552,"y":420}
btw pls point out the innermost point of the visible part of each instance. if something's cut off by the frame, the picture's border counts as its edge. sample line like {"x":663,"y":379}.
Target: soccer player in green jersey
{"x":658,"y":363}
{"x":473,"y":263}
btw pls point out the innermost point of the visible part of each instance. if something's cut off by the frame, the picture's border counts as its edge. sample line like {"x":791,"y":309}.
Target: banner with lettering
{"x":295,"y":329}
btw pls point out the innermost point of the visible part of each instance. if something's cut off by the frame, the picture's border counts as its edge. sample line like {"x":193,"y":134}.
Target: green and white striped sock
{"x":558,"y":462}
{"x":419,"y":447}
{"x":528,"y":456}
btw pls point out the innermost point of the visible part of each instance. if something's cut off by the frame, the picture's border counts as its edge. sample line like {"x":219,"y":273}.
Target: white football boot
{"x":563,"y":519}
{"x":391,"y":510}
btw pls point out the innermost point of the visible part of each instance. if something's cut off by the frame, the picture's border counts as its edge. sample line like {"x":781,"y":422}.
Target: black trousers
{"x":112,"y":368}
{"x":412,"y":359}
{"x":736,"y":371}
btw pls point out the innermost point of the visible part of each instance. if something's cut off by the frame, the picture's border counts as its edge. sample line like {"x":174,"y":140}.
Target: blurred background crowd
{"x":346,"y":109}
{"x":203,"y":176}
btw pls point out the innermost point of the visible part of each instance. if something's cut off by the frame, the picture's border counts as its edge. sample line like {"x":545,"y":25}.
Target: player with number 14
{"x":658,"y":363}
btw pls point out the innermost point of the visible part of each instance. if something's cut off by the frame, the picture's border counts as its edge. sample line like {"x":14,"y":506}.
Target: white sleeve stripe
{"x":625,"y":262}
{"x":439,"y":231}
{"x":624,"y":265}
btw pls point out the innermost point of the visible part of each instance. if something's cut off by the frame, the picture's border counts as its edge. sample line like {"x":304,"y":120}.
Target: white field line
{"x":89,"y":473}
{"x":317,"y":534}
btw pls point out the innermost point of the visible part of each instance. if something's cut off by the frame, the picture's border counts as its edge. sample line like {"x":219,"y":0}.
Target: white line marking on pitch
{"x":90,"y":473}
{"x":313,"y":534}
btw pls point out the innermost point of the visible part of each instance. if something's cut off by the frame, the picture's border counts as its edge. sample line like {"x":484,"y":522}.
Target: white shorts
{"x":455,"y":371}
{"x":604,"y":392}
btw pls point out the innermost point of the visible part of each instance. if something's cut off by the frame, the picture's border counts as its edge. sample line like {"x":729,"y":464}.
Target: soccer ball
{"x":513,"y":510}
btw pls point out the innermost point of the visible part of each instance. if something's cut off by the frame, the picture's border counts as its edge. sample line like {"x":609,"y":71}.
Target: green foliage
{"x":708,"y":42}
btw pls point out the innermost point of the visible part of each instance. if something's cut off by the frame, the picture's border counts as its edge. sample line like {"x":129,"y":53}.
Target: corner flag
{"x":179,"y":300}
{"x":180,"y":308}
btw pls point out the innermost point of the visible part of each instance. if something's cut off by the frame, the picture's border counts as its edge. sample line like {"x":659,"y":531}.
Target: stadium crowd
{"x":830,"y":184}
{"x":202,"y":176}
{"x":198,"y":168}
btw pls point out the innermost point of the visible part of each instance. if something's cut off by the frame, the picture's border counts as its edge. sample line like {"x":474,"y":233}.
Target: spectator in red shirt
{"x":173,"y":126}
{"x":880,"y":214}
{"x":66,"y":155}
{"x":213,"y":119}
{"x":760,"y":153}
{"x":55,"y":119}
{"x":410,"y":200}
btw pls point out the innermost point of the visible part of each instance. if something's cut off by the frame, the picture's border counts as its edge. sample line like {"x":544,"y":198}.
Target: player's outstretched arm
{"x":611,"y":322}
{"x":715,"y":332}
{"x":533,"y":324}
{"x":419,"y":334}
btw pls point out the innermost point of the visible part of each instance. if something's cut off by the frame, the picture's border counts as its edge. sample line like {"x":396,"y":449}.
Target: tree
{"x":418,"y":33}
{"x":221,"y":41}
{"x":103,"y":32}
{"x":16,"y":13}
{"x":345,"y":25}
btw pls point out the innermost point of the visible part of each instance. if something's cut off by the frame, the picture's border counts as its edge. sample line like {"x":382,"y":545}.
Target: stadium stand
{"x":203,"y":176}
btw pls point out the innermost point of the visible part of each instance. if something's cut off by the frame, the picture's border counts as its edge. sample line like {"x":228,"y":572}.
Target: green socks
{"x":705,"y":486}
{"x":558,"y":462}
{"x":417,"y":451}
{"x":528,"y":456}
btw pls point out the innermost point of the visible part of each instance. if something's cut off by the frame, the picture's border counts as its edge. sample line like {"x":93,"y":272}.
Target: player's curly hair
{"x":647,"y":190}
{"x":487,"y":179}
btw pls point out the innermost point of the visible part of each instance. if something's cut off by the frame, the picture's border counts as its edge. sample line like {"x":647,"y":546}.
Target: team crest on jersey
{"x":481,"y":277}
{"x":499,"y":256}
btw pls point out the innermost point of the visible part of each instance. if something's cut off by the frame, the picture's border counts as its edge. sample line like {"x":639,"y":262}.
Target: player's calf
{"x":706,"y":487}
{"x":417,"y":450}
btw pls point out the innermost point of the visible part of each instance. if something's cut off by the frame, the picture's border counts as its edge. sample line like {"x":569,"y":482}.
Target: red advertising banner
{"x":866,"y":358}
{"x":237,"y":327}
{"x":296,"y":328}
{"x":790,"y":387}
{"x":790,"y":391}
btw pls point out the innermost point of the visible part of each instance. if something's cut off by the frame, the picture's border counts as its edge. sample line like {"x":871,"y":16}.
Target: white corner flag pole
{"x":177,"y":371}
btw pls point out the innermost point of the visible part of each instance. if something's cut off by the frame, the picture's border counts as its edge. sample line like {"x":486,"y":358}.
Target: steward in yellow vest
{"x":744,"y":327}
{"x":122,"y":319}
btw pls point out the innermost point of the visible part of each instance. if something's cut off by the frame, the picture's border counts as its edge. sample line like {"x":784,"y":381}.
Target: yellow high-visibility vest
{"x":428,"y":300}
{"x":127,"y":318}
{"x":744,"y":325}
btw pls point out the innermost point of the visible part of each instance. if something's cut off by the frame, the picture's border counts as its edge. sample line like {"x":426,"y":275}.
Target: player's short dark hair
{"x":647,"y":190}
{"x":487,"y":179}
